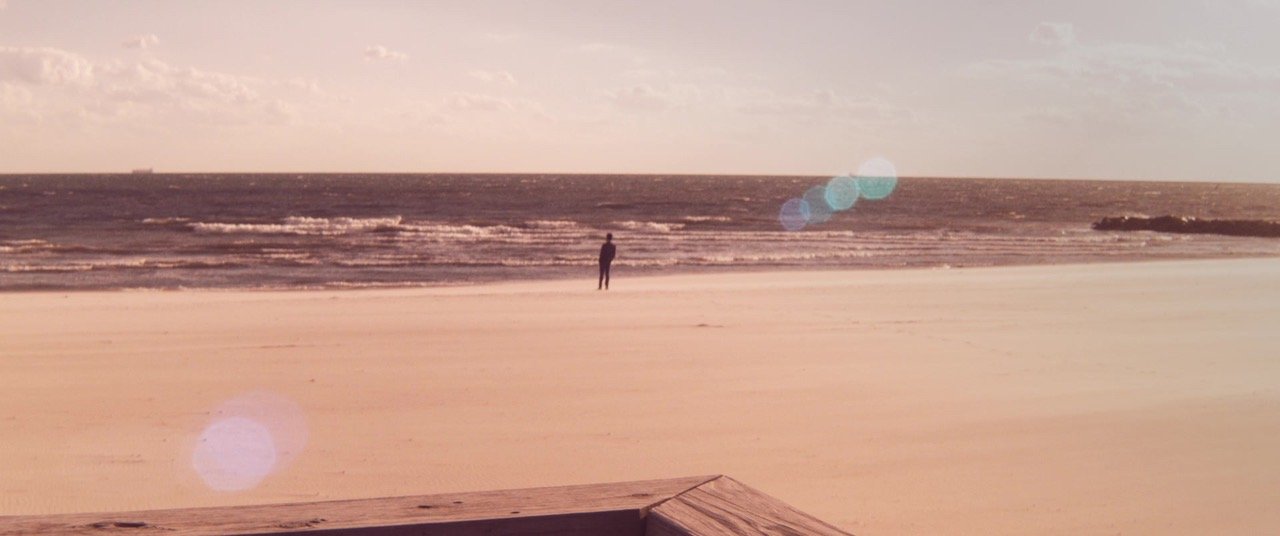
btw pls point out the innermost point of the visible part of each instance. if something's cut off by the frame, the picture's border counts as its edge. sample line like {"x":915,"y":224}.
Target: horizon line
{"x":652,"y":174}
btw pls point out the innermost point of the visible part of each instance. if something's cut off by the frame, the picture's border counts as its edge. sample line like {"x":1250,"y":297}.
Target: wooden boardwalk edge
{"x":724,"y":506}
{"x":701,"y":505}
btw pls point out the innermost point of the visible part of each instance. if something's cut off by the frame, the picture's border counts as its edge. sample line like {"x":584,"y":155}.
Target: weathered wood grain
{"x":612,"y":522}
{"x":570,"y":510}
{"x":724,"y":507}
{"x":694,"y":506}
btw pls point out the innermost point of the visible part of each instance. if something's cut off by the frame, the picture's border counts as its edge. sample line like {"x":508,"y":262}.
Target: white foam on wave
{"x":454,"y":231}
{"x":551,"y":224}
{"x":717,"y":260}
{"x":37,"y":268}
{"x":754,"y":236}
{"x":379,"y":261}
{"x":25,"y":246}
{"x":119,"y":264}
{"x":545,"y":262}
{"x":164,"y":221}
{"x":649,"y":226}
{"x":545,"y":232}
{"x":301,"y":225}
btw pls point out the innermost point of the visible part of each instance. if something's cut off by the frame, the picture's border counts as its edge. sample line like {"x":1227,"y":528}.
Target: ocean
{"x":276,"y":231}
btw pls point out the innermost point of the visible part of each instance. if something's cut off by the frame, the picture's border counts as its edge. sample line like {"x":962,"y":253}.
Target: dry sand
{"x":1098,"y":399}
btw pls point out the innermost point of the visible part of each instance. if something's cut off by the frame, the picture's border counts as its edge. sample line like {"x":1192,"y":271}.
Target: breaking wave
{"x":128,"y":264}
{"x":552,"y":224}
{"x":298,"y":225}
{"x":649,"y":226}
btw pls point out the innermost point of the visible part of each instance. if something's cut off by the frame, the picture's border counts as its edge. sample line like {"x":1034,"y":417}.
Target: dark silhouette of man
{"x":607,"y":252}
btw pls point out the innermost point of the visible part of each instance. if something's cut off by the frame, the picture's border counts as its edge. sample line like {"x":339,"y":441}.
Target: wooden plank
{"x":612,"y":522}
{"x":580,"y":509}
{"x":725,"y":506}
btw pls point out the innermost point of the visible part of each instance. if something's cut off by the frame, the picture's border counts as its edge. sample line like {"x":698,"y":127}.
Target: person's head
{"x":608,"y":237}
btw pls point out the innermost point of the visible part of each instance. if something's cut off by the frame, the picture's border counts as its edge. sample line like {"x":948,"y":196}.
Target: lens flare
{"x":249,"y":437}
{"x":794,"y":214}
{"x":877,"y":178}
{"x":234,"y":454}
{"x":819,"y":210}
{"x":841,"y":193}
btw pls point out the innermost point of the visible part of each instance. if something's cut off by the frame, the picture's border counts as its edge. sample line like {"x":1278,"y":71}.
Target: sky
{"x":1170,"y":89}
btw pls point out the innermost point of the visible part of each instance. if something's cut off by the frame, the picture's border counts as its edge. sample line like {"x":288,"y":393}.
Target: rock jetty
{"x":1183,"y":224}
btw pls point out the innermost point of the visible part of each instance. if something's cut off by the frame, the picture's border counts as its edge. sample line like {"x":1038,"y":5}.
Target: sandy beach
{"x":1133,"y":398}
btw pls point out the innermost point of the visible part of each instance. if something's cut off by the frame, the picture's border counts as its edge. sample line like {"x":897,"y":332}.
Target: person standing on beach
{"x":607,"y":252}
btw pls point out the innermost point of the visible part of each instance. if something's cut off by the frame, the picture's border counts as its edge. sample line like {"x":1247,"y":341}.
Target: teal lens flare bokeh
{"x":841,"y":193}
{"x":819,"y":210}
{"x":877,"y":178}
{"x":794,"y":214}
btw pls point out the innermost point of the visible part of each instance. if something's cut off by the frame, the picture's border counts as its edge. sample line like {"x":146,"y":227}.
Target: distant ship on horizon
{"x":143,"y":171}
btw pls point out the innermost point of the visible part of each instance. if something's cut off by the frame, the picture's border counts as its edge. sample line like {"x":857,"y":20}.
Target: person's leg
{"x":600,"y":284}
{"x":606,"y":275}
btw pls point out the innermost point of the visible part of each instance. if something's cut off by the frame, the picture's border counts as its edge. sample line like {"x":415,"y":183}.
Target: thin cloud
{"x":1187,"y":66}
{"x":160,"y":83}
{"x":825,"y":103}
{"x":382,"y":53}
{"x":43,"y":65}
{"x":49,"y":82}
{"x":1058,"y":34}
{"x":645,"y":97}
{"x":141,"y":41}
{"x":305,"y":85}
{"x":14,"y":97}
{"x":1133,"y":82}
{"x":478,"y":102}
{"x":501,"y":77}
